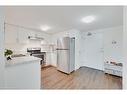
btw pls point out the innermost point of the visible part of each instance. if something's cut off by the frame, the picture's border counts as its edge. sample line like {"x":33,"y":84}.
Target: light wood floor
{"x":83,"y":78}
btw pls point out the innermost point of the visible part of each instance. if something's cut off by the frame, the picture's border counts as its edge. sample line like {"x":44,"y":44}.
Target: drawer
{"x":118,"y":73}
{"x":113,"y":67}
{"x":108,"y":71}
{"x":113,"y":72}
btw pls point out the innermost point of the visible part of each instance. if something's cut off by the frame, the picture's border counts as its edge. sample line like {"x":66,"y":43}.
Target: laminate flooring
{"x":83,"y":78}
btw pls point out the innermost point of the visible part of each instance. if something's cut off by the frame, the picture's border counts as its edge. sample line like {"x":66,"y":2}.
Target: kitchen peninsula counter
{"x":23,"y":73}
{"x":17,"y":61}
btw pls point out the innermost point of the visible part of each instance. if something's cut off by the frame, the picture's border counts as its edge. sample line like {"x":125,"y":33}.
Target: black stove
{"x":36,"y":52}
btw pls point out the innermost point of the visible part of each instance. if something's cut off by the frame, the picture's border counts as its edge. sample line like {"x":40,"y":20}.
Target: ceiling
{"x":62,"y":18}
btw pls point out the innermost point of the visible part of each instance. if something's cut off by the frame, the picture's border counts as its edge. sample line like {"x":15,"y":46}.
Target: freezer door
{"x":63,"y":43}
{"x":63,"y":60}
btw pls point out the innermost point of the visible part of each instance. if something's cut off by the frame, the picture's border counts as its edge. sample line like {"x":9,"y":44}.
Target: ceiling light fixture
{"x":45,"y":28}
{"x":88,"y":19}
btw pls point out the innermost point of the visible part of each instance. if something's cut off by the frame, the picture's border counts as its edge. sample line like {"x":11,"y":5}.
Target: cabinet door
{"x":11,"y":34}
{"x":31,"y":33}
{"x":23,"y":36}
{"x":38,"y":34}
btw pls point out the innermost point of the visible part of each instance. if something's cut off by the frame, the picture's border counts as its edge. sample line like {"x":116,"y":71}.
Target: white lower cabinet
{"x":109,"y":71}
{"x":48,"y":59}
{"x":113,"y":69}
{"x":24,"y":76}
{"x":119,"y":73}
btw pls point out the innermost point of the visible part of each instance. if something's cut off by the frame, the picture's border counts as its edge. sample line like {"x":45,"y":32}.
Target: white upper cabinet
{"x":15,"y":34}
{"x":23,"y":36}
{"x":11,"y":34}
{"x":31,"y":33}
{"x":38,"y":34}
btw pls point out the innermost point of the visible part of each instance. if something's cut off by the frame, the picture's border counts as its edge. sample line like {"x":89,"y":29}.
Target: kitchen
{"x":18,"y":40}
{"x":25,"y":36}
{"x":25,"y":42}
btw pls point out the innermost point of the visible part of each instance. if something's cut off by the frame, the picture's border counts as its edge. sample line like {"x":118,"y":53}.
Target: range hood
{"x":35,"y":38}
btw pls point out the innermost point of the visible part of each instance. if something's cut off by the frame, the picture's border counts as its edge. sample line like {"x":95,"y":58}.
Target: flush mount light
{"x":45,"y":28}
{"x":88,"y":19}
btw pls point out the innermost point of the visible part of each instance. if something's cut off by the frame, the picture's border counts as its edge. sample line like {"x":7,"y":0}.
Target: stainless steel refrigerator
{"x":66,"y":54}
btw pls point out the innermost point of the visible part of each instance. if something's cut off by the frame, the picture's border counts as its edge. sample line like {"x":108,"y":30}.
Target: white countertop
{"x":21,"y":60}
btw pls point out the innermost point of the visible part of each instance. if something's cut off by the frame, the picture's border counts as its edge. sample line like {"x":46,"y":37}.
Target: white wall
{"x":1,"y":48}
{"x":69,"y":33}
{"x":112,"y":52}
{"x":125,"y":50}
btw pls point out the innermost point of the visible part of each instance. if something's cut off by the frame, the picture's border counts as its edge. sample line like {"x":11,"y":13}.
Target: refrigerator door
{"x":63,"y":43}
{"x":72,"y":55}
{"x":63,"y":60}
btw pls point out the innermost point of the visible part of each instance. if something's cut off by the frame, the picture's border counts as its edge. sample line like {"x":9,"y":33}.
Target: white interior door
{"x":94,"y":51}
